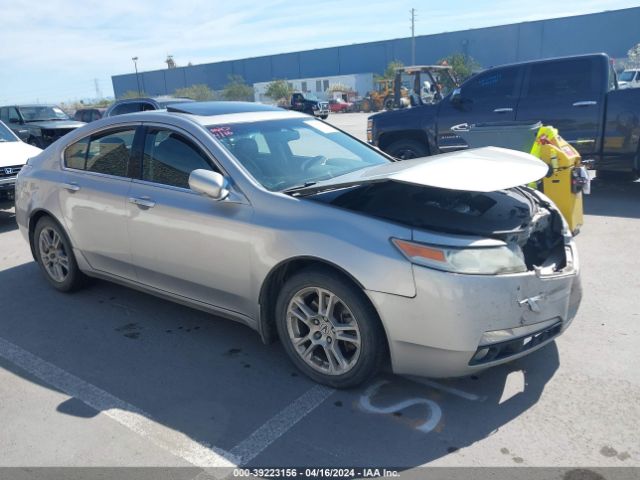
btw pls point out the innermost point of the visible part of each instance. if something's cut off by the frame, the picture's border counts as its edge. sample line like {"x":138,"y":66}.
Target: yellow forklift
{"x":425,"y":84}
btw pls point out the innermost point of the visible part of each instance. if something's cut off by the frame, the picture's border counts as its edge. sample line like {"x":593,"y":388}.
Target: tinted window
{"x":499,"y":84}
{"x":13,"y":115}
{"x":126,"y":108}
{"x":564,"y":78}
{"x":4,"y":114}
{"x":75,"y":156}
{"x":169,"y":158}
{"x":106,"y":152}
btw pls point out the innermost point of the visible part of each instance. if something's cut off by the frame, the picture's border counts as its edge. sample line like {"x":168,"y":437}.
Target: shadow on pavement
{"x":214,"y":381}
{"x":616,"y":199}
{"x":7,"y":220}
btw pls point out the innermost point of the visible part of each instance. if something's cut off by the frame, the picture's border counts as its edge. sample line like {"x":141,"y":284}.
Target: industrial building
{"x":612,"y":32}
{"x":358,"y":83}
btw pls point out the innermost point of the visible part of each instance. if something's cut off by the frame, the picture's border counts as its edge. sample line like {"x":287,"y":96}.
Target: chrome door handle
{"x":72,"y":187}
{"x":142,"y":201}
{"x":585,"y":103}
{"x":503,"y":110}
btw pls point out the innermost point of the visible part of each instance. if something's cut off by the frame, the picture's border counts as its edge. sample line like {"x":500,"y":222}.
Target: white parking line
{"x":199,"y":454}
{"x":280,"y":423}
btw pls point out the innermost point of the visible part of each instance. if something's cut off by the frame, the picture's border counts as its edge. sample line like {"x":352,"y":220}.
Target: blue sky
{"x":52,"y":51}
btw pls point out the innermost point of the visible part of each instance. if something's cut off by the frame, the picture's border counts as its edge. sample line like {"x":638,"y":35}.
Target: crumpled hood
{"x":486,"y":169}
{"x":16,"y":153}
{"x":55,"y":124}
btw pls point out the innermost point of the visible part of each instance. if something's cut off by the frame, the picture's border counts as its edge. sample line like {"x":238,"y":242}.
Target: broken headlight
{"x":472,"y":260}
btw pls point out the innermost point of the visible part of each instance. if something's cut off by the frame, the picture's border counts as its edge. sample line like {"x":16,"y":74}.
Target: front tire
{"x":55,"y":256}
{"x":407,"y":149}
{"x":329,"y":329}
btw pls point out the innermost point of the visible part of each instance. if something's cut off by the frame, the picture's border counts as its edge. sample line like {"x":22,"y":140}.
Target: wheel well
{"x":278,"y":276}
{"x":33,"y":221}
{"x":416,"y":135}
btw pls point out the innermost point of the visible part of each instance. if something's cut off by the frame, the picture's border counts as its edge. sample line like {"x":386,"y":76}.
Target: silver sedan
{"x":444,"y":266}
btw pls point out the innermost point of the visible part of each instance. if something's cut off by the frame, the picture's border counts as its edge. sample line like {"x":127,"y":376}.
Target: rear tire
{"x":55,"y":256}
{"x":339,"y":346}
{"x":407,"y":149}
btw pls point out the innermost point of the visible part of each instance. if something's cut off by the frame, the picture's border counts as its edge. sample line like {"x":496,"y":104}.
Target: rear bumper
{"x":445,"y":329}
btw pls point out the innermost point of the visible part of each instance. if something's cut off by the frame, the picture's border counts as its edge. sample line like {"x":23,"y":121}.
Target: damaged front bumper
{"x":458,"y":324}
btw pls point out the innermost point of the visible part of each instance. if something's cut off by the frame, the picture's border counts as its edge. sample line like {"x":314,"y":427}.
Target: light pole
{"x":135,"y":65}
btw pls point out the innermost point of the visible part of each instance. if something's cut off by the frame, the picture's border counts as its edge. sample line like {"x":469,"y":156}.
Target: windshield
{"x":627,"y":75}
{"x":6,"y":135}
{"x":283,"y":154}
{"x":34,"y":113}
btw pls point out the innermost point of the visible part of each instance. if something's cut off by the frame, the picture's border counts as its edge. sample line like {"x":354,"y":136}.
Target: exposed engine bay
{"x":515,"y":215}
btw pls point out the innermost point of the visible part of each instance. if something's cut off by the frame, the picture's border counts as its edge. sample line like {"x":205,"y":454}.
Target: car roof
{"x":220,"y":108}
{"x":18,"y":105}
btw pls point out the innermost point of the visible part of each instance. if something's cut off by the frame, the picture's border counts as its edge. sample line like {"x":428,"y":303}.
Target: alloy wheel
{"x":323,"y":331}
{"x":53,"y":255}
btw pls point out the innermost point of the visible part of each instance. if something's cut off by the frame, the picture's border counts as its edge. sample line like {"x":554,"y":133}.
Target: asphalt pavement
{"x":109,"y":376}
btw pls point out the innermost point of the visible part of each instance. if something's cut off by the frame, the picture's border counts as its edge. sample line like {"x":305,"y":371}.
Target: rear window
{"x":564,"y":78}
{"x":107,"y":153}
{"x":130,"y":107}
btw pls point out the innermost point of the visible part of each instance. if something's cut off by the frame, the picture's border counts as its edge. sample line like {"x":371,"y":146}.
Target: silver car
{"x":443,"y":265}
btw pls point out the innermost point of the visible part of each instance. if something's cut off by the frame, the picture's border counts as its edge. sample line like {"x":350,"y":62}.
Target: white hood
{"x":16,"y":153}
{"x":484,"y":169}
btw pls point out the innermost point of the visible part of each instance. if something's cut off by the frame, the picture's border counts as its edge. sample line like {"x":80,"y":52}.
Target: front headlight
{"x":471,"y":260}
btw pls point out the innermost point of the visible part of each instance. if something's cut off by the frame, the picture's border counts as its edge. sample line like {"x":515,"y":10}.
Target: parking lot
{"x":113,"y":377}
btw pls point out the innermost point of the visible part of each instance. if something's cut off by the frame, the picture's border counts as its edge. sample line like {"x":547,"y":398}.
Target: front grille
{"x":502,"y":350}
{"x":11,"y":171}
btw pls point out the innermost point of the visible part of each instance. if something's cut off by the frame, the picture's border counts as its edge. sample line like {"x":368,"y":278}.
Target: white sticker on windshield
{"x":323,"y":127}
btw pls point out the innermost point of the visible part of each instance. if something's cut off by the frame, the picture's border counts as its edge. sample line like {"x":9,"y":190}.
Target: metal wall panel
{"x":316,"y":63}
{"x":612,"y":32}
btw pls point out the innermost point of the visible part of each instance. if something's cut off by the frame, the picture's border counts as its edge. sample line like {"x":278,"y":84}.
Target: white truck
{"x":630,"y":78}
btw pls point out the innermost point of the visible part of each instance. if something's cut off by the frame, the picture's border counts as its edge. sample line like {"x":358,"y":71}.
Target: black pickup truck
{"x":308,"y":103}
{"x":579,"y":95}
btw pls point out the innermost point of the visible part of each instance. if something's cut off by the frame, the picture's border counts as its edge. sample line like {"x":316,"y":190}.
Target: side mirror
{"x":211,"y":184}
{"x":456,"y":96}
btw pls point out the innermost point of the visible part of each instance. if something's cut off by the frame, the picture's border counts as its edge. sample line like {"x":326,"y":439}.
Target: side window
{"x":499,"y":84}
{"x":75,"y":156}
{"x":4,"y":115}
{"x":13,"y":115}
{"x":109,"y":152}
{"x":564,"y":78}
{"x":169,"y":158}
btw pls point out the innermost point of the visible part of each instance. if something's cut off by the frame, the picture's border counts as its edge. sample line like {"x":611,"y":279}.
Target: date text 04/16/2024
{"x":341,"y":473}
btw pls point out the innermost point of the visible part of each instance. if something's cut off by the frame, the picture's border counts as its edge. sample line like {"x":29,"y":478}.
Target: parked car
{"x":13,"y":155}
{"x":39,"y":125}
{"x":132,"y":105}
{"x":308,"y":103}
{"x":88,"y":115}
{"x":578,"y":95}
{"x":283,"y":223}
{"x":630,"y":78}
{"x":338,"y":105}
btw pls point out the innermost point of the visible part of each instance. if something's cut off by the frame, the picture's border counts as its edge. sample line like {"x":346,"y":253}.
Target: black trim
{"x":503,"y":350}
